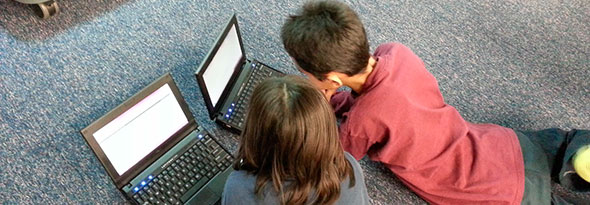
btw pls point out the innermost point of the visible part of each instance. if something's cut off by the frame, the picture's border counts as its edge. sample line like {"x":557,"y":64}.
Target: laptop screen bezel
{"x":123,"y":179}
{"x":214,"y":109}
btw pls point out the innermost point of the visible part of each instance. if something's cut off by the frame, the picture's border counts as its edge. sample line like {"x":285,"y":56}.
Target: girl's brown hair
{"x":291,"y":141}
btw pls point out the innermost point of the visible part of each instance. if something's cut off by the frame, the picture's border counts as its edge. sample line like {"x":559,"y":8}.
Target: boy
{"x":395,"y":113}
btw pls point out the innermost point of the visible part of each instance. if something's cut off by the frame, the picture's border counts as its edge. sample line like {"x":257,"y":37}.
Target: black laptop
{"x":155,"y":152}
{"x":226,"y":78}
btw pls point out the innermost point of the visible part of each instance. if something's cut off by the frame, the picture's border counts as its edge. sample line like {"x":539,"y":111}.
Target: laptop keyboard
{"x":237,"y":110}
{"x":180,"y":180}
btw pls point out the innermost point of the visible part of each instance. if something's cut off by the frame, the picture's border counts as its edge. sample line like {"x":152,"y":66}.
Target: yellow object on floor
{"x":581,"y":162}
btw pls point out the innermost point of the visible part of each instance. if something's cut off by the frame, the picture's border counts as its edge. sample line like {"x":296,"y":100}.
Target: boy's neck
{"x":357,"y":82}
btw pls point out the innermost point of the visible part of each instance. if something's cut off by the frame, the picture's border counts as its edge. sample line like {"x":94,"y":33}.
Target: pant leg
{"x":559,"y":147}
{"x":553,"y":142}
{"x":537,"y":180}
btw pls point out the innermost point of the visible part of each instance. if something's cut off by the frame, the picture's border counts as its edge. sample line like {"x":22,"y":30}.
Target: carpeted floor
{"x":520,"y":64}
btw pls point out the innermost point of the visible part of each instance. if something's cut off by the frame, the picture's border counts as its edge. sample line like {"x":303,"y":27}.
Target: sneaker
{"x":581,"y":162}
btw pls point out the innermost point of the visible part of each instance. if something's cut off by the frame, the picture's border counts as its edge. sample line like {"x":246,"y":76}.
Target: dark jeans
{"x":547,"y":159}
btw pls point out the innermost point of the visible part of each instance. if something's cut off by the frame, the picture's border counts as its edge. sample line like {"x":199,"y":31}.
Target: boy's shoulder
{"x":394,"y":49}
{"x":390,"y":47}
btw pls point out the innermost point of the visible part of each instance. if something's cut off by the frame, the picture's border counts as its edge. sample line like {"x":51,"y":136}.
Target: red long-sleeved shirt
{"x":401,"y":120}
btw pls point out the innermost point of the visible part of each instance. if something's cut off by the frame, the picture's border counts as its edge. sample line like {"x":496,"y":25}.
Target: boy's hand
{"x":328,"y":93}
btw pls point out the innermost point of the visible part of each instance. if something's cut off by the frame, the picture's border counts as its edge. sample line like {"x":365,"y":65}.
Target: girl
{"x":290,"y":152}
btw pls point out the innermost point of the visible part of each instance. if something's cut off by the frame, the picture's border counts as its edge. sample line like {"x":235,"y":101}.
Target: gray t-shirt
{"x":239,"y":188}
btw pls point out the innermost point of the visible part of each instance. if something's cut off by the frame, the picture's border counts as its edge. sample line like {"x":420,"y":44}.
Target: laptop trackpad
{"x":205,"y":196}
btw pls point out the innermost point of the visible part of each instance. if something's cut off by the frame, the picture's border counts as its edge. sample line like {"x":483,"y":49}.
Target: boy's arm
{"x":357,"y":146}
{"x":341,"y":101}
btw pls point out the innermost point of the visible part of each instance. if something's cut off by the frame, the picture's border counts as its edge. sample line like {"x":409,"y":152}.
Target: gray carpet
{"x":521,"y":64}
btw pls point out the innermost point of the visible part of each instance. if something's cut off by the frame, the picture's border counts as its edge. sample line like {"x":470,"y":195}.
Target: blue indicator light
{"x":253,"y":64}
{"x":230,"y":110}
{"x":136,"y":189}
{"x":226,"y":115}
{"x":142,"y":183}
{"x":150,"y":177}
{"x":200,"y":136}
{"x":232,"y":105}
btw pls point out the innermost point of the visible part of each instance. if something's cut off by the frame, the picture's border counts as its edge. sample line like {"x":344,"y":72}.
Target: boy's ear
{"x":334,"y":79}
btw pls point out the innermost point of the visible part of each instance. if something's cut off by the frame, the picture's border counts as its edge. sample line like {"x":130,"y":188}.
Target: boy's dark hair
{"x":326,"y":36}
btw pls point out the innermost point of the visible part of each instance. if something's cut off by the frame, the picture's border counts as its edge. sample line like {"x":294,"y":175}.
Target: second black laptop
{"x":226,"y":78}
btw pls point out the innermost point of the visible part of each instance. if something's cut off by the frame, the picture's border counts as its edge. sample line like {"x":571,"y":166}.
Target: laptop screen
{"x":218,"y":72}
{"x":222,"y":65}
{"x":138,"y":131}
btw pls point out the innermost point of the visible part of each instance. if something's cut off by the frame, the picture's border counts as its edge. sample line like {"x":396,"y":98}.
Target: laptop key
{"x":138,"y":199}
{"x":145,"y":198}
{"x":156,"y":187}
{"x":208,"y":141}
{"x":219,"y":157}
{"x":150,"y":192}
{"x":173,"y":180}
{"x":216,"y":151}
{"x":162,"y":197}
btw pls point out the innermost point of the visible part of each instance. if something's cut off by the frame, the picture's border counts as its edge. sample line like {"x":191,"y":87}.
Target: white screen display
{"x":138,"y":131}
{"x":221,"y":67}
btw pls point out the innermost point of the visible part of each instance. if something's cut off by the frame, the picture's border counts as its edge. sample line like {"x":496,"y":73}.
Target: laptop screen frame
{"x":214,"y":109}
{"x":123,"y":179}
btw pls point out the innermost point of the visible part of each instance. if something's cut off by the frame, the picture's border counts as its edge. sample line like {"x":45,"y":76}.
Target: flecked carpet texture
{"x":520,"y":64}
